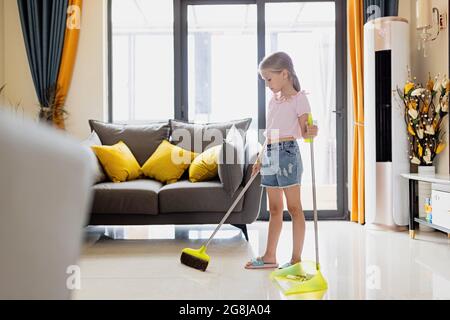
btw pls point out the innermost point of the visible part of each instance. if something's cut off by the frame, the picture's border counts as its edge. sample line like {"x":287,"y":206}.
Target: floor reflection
{"x":125,"y":262}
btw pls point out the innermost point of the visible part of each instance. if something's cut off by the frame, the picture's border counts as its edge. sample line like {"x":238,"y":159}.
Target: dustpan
{"x":301,"y":278}
{"x":311,"y":287}
{"x":304,"y":277}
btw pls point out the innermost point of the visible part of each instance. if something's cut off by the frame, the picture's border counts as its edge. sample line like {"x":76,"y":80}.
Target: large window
{"x":142,"y":60}
{"x":197,"y":61}
{"x":223,"y":58}
{"x":307,"y":32}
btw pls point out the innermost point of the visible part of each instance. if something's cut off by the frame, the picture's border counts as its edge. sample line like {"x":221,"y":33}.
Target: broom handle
{"x":237,"y":199}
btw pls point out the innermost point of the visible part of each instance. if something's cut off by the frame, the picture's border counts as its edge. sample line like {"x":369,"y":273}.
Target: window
{"x":142,"y":60}
{"x":307,"y":32}
{"x":222,"y":67}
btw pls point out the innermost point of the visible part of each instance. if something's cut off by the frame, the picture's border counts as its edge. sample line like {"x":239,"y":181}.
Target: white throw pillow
{"x":97,"y":169}
{"x":232,"y":161}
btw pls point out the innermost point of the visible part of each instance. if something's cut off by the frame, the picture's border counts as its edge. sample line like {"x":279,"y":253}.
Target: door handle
{"x":338,"y":112}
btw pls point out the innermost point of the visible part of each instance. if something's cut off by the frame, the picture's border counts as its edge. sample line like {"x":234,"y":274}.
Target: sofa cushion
{"x":205,"y":166}
{"x":232,"y":161}
{"x":143,"y":140}
{"x":119,"y":162}
{"x":133,"y":197}
{"x":199,"y":137}
{"x":168,"y":163}
{"x":184,"y":196}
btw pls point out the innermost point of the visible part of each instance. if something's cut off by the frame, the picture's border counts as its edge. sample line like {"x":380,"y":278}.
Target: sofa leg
{"x":243,"y":227}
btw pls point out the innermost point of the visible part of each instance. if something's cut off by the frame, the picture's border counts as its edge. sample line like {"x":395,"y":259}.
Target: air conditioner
{"x":386,"y":62}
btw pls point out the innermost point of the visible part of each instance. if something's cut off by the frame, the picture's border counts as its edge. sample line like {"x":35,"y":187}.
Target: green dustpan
{"x":301,"y":278}
{"x":304,"y":277}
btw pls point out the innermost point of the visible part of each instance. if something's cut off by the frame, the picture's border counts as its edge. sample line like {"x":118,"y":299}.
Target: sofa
{"x":149,"y":202}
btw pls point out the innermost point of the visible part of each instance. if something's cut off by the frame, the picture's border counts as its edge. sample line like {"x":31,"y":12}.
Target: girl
{"x":281,"y":166}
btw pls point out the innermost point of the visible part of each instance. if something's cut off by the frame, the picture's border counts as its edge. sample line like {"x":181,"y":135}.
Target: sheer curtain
{"x":326,"y":95}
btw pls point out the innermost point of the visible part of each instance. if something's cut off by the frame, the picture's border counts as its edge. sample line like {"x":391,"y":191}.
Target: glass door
{"x":221,"y":45}
{"x":307,"y":32}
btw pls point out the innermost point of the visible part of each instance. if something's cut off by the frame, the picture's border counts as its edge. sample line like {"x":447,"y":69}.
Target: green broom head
{"x":197,"y":259}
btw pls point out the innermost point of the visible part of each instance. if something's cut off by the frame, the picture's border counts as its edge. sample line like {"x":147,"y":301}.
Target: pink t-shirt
{"x":282,"y":116}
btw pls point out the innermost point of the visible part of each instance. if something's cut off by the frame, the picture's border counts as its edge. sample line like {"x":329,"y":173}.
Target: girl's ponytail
{"x":296,"y":83}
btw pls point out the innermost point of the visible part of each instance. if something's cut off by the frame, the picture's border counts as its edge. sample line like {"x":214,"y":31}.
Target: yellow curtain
{"x":355,"y":33}
{"x":72,"y":34}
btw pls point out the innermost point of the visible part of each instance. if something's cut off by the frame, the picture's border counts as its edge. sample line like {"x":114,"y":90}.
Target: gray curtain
{"x":386,"y":8}
{"x":43,"y":27}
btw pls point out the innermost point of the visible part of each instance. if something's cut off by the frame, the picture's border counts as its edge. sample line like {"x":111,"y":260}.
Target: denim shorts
{"x":281,"y":165}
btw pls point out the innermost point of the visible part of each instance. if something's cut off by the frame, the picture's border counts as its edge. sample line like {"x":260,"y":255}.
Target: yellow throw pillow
{"x":205,"y":167}
{"x":118,"y":161}
{"x":168,"y":163}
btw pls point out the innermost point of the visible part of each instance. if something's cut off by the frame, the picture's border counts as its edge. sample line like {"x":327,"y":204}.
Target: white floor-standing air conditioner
{"x":386,"y":63}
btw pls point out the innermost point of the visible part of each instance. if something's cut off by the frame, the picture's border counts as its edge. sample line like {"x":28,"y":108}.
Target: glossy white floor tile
{"x":143,"y":263}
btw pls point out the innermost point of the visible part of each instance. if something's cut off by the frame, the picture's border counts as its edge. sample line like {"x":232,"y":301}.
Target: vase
{"x":424,"y":194}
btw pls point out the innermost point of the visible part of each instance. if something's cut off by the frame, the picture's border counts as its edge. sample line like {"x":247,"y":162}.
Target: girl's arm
{"x":308,"y":132}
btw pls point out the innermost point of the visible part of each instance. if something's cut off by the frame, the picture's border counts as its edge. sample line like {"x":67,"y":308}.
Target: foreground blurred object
{"x":45,"y":178}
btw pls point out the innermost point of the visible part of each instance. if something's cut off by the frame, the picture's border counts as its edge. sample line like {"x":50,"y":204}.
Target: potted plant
{"x":15,"y":108}
{"x":52,"y":109}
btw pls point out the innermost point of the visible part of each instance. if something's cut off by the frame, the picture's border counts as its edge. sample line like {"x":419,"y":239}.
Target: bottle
{"x":428,"y":210}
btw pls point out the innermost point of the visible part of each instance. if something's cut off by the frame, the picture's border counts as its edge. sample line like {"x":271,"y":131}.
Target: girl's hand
{"x":256,"y":168}
{"x":312,"y":131}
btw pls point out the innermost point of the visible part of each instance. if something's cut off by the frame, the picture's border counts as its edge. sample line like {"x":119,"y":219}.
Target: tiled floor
{"x":358,"y":263}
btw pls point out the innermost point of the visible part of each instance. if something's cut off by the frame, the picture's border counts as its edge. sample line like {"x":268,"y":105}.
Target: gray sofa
{"x":149,"y":202}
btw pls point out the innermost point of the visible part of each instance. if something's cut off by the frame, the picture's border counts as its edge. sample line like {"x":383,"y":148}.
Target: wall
{"x":437,"y":62}
{"x":2,"y":47}
{"x":87,"y":96}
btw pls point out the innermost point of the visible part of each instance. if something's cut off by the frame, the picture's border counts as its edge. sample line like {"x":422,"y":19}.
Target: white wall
{"x":437,"y":62}
{"x":2,"y":46}
{"x":87,"y":96}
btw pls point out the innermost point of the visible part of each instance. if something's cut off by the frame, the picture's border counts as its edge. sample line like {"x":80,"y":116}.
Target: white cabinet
{"x":441,"y":208}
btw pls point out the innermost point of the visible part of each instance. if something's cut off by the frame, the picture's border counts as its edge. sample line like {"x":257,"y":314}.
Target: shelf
{"x":426,"y":223}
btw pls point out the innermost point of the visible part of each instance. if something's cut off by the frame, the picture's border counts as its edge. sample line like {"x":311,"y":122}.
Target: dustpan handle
{"x":313,"y":177}
{"x":238,"y":198}
{"x":316,"y":218}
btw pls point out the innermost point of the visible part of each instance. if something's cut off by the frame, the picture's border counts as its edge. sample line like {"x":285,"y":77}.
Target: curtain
{"x":73,"y":26}
{"x":383,"y":8}
{"x":43,"y":25}
{"x":324,"y":69}
{"x":51,"y":30}
{"x":355,"y":33}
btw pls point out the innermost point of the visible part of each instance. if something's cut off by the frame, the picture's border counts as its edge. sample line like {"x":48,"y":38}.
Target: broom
{"x":198,"y":259}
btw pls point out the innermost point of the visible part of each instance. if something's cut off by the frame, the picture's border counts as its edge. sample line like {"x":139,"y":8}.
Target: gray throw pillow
{"x":97,"y":169}
{"x":143,"y":140}
{"x":232,"y":161}
{"x":200,"y":137}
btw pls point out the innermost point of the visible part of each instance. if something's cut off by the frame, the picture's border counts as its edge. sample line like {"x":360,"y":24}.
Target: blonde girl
{"x":281,"y":166}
